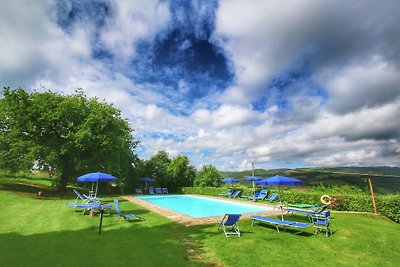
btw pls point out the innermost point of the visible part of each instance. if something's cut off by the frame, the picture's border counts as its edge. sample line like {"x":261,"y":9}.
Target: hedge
{"x":388,"y":205}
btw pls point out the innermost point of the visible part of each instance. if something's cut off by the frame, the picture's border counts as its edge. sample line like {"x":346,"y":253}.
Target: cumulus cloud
{"x":133,"y":21}
{"x":360,"y":86}
{"x":293,"y":83}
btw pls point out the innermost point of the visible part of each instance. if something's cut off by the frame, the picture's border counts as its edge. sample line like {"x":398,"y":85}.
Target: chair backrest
{"x":264,"y":191}
{"x":232,"y":219}
{"x":79,"y":195}
{"x":138,"y":191}
{"x":320,"y":210}
{"x":116,"y":207}
{"x":236,"y":194}
{"x":272,"y":197}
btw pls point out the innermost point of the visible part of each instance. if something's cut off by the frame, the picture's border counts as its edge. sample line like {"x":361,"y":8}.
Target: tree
{"x":67,"y":135}
{"x":208,"y":176}
{"x":158,"y":165}
{"x":180,"y":173}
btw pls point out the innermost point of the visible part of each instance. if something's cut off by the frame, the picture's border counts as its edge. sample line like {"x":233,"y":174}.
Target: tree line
{"x":70,"y":135}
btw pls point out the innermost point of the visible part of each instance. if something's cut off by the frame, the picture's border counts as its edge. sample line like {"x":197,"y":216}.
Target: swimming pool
{"x":200,"y":207}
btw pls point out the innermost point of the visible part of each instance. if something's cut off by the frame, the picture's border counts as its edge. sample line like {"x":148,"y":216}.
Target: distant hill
{"x":385,"y":179}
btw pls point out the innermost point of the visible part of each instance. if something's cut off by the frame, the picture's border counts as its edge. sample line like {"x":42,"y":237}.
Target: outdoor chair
{"x":165,"y":190}
{"x":85,"y":199}
{"x":236,"y":194}
{"x":271,"y":197}
{"x":126,"y":216}
{"x":227,"y":194}
{"x":261,"y":196}
{"x":322,"y":222}
{"x":138,"y":191}
{"x":229,"y":224}
{"x":151,"y":190}
{"x":254,"y":195}
{"x":158,"y":190}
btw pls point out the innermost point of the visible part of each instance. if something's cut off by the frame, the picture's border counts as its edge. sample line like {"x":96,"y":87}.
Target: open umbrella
{"x":279,"y":181}
{"x":96,"y":177}
{"x":229,"y":180}
{"x":146,"y":180}
{"x":253,"y":179}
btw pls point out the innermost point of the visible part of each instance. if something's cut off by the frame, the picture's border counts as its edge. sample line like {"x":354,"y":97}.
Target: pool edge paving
{"x":190,"y":221}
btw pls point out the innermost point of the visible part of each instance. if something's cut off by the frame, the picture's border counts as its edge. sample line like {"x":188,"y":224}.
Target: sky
{"x":281,"y":84}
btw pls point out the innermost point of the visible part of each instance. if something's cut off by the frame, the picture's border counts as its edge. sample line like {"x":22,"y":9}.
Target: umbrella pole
{"x":280,"y":200}
{"x":97,"y":186}
{"x":91,"y":190}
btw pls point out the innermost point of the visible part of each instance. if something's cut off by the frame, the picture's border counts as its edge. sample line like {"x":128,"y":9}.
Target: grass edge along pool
{"x":201,"y":207}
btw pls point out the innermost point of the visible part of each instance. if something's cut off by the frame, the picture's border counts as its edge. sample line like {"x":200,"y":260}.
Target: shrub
{"x":347,"y":199}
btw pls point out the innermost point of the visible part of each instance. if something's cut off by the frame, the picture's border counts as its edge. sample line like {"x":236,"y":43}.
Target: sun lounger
{"x":271,"y":197}
{"x":151,"y":190}
{"x":165,"y":191}
{"x":85,"y":199}
{"x":261,"y":196}
{"x":236,"y":194}
{"x":303,"y":206}
{"x":278,"y":223}
{"x":227,"y":194}
{"x":87,"y":207}
{"x":158,"y":190}
{"x":319,"y":211}
{"x":126,"y":216}
{"x":138,"y":191}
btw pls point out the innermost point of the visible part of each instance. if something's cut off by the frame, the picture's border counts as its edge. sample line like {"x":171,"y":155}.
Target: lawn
{"x":44,"y":232}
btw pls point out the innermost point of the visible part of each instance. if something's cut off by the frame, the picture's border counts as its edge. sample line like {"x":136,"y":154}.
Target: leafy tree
{"x":158,"y":165}
{"x":67,"y":135}
{"x":180,"y":173}
{"x":208,"y":176}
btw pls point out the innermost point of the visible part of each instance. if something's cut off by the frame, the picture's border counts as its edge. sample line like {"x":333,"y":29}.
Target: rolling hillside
{"x":385,"y":180}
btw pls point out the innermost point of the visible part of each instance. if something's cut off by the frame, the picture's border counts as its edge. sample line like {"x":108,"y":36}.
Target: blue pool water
{"x":199,"y":207}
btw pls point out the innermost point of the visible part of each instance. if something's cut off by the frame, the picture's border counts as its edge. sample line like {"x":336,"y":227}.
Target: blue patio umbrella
{"x":96,"y":177}
{"x":279,"y":181}
{"x":146,"y":180}
{"x":229,"y":180}
{"x":253,"y":179}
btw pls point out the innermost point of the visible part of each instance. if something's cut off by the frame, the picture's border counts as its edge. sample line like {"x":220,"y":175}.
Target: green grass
{"x":44,"y":232}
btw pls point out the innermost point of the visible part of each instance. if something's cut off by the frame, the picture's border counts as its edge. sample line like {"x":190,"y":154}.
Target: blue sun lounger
{"x":227,"y":194}
{"x":261,"y":196}
{"x":126,"y":216}
{"x":278,"y":223}
{"x":236,"y":194}
{"x":320,"y":211}
{"x":87,"y":207}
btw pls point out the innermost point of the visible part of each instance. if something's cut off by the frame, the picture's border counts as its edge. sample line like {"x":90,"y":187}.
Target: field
{"x":386,"y":180}
{"x":42,"y":231}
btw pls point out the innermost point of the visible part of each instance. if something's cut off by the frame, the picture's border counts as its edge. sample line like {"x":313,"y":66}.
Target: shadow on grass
{"x":29,"y":189}
{"x":120,"y":244}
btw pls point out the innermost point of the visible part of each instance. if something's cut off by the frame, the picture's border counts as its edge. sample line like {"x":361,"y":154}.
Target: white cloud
{"x":350,"y":49}
{"x":134,"y":20}
{"x":359,"y":86}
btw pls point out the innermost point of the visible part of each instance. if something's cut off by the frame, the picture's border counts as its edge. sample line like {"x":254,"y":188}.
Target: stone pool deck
{"x":190,"y":221}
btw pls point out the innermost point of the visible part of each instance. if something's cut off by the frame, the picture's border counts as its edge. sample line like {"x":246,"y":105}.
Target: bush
{"x":347,"y":199}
